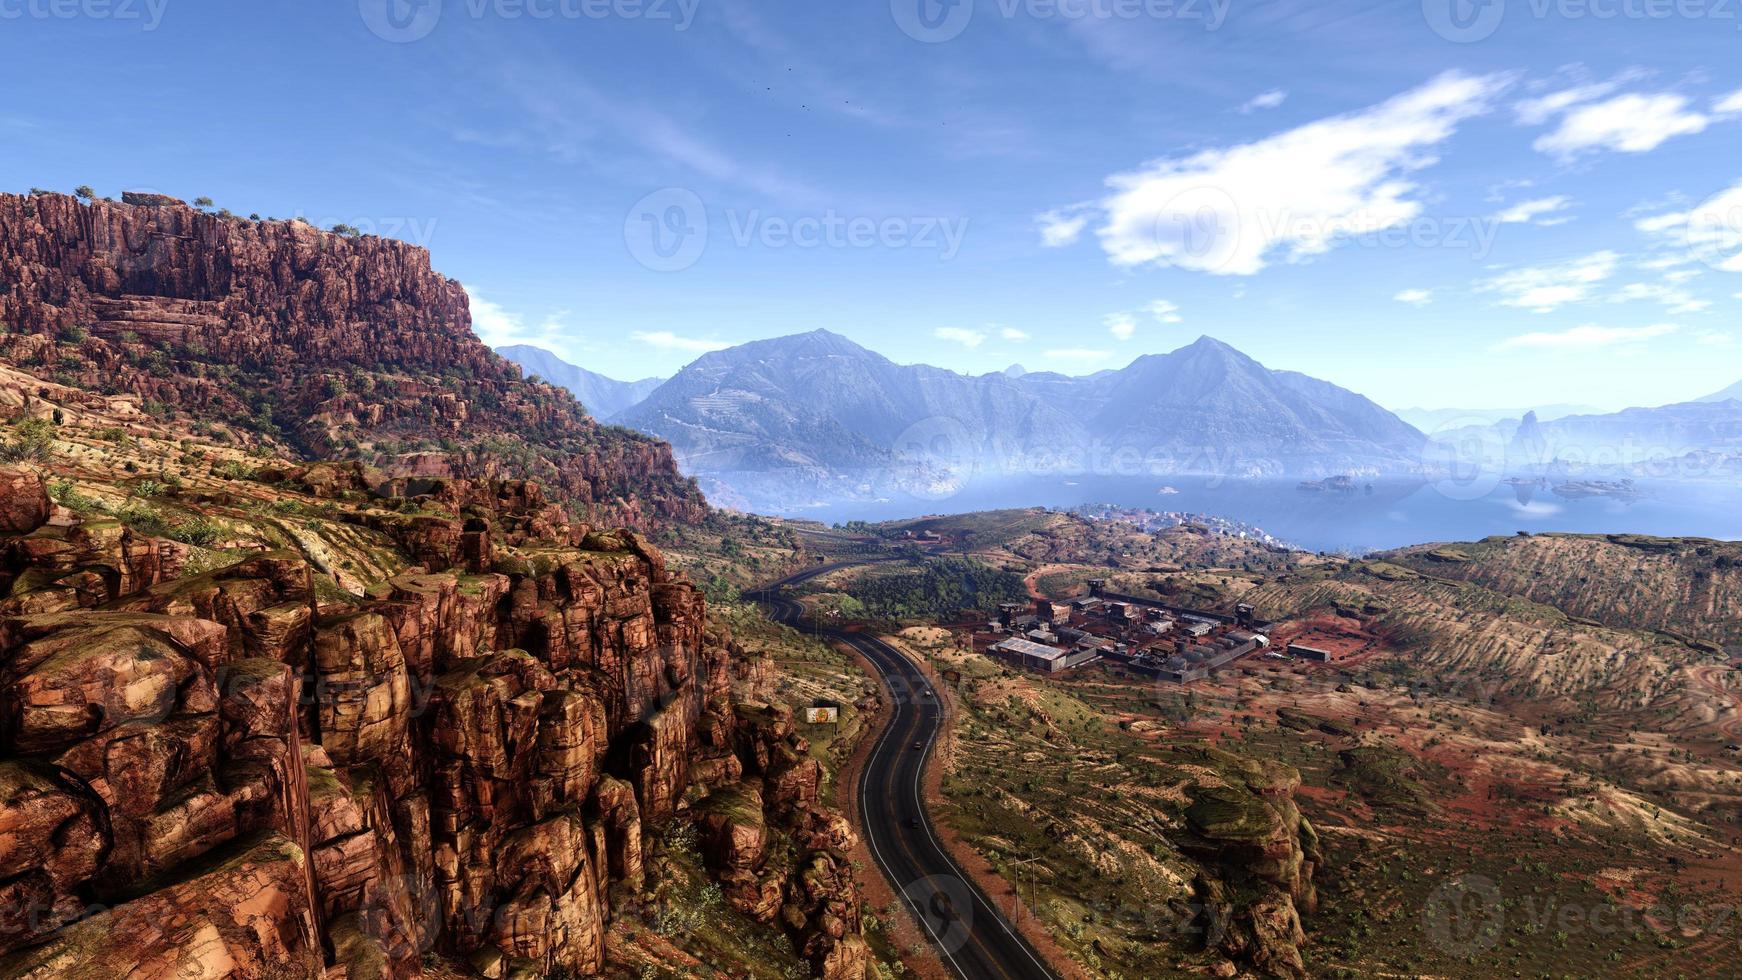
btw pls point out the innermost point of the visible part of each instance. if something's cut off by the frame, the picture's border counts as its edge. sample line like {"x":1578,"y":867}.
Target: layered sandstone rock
{"x":337,"y":341}
{"x":465,"y":765}
{"x":406,"y":712}
{"x":1260,"y":854}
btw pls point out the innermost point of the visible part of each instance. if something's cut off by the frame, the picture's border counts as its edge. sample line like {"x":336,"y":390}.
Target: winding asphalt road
{"x":973,"y":938}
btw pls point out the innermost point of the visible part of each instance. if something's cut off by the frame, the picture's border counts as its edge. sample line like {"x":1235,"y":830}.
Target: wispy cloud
{"x":1709,"y":232}
{"x":1121,"y":325}
{"x":1624,"y":124}
{"x":497,"y":326}
{"x":1415,"y":297}
{"x":1063,"y":226}
{"x":1587,"y":337}
{"x":1535,"y":212}
{"x":1544,"y":289}
{"x":960,"y":335}
{"x":667,"y":340}
{"x":1164,"y":311}
{"x":1263,"y":100}
{"x":1013,"y":334}
{"x":1232,"y":211}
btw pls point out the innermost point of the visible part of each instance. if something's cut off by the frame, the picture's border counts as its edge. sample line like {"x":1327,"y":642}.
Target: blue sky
{"x":1498,"y":204}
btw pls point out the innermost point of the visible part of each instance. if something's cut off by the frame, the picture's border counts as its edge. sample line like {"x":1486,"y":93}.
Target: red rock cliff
{"x":334,"y":345}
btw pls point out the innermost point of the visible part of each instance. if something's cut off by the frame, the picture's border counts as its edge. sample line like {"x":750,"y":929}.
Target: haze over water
{"x":1395,"y":514}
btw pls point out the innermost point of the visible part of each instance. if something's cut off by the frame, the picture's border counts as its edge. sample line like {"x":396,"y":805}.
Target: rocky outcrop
{"x":431,"y":708}
{"x":1259,"y":855}
{"x":23,"y":501}
{"x":805,"y":884}
{"x":466,"y":765}
{"x":283,"y":331}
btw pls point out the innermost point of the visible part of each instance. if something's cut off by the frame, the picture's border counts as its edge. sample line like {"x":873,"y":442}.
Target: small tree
{"x":84,"y":192}
{"x":202,"y":202}
{"x":32,"y":440}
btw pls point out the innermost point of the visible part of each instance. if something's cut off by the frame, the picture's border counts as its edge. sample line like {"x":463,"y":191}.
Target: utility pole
{"x":1033,"y":886}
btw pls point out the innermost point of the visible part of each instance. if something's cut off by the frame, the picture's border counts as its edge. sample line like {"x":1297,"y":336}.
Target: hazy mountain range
{"x":815,"y":417}
{"x":818,"y":415}
{"x":602,"y":397}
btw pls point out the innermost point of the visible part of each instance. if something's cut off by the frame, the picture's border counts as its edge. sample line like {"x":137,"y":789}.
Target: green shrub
{"x":198,"y":532}
{"x":32,"y":441}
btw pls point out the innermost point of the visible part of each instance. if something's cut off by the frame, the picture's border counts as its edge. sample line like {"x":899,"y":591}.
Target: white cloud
{"x":1164,"y":311}
{"x":1415,"y":297}
{"x":1671,"y":295}
{"x":1063,"y":226}
{"x":1715,"y":338}
{"x":1264,"y":100}
{"x":1227,"y":211}
{"x":1626,"y":124}
{"x":1536,"y":111}
{"x":1729,"y":104}
{"x":1709,"y":232}
{"x":1013,"y":334}
{"x":1077,"y":354}
{"x":495,"y":326}
{"x":666,"y":340}
{"x":1120,"y":325}
{"x":1543,"y":289}
{"x":1588,"y":337}
{"x":960,"y":335}
{"x":1527,"y":212}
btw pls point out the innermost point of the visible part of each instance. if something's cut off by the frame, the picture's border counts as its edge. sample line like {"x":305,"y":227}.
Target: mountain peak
{"x":1209,"y":344}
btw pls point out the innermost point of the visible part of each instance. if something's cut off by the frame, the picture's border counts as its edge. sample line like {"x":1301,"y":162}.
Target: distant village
{"x":1151,"y":521}
{"x":1172,"y":643}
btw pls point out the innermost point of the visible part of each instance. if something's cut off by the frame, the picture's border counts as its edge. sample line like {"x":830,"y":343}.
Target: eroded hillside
{"x":273,"y":714}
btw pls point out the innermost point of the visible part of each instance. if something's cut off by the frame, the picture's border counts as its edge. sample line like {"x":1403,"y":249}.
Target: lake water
{"x":1392,"y":514}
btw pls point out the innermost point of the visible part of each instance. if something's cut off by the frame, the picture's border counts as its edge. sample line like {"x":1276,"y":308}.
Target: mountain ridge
{"x":601,"y":396}
{"x":841,"y":417}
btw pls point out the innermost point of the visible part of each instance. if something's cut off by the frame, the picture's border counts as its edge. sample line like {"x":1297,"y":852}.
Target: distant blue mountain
{"x":601,"y":396}
{"x":1732,"y":392}
{"x":820,"y":415}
